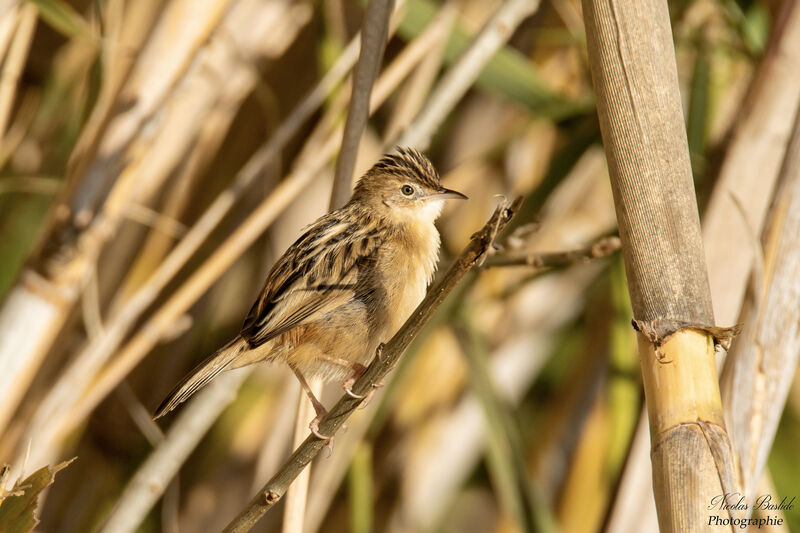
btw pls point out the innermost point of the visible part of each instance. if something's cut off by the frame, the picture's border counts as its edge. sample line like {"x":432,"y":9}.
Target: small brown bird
{"x":346,"y":285}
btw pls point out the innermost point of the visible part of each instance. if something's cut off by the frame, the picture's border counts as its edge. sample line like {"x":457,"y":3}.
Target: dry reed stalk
{"x":751,"y":166}
{"x":236,"y":78}
{"x":632,"y":60}
{"x":13,"y":63}
{"x":9,"y":10}
{"x":773,"y":93}
{"x":761,"y":364}
{"x":127,"y":26}
{"x":294,"y":513}
{"x":80,"y":229}
{"x":274,"y":447}
{"x":415,"y":92}
{"x":452,"y":87}
{"x":154,"y":475}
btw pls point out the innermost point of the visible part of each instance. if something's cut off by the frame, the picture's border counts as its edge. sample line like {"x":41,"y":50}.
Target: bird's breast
{"x":408,"y":266}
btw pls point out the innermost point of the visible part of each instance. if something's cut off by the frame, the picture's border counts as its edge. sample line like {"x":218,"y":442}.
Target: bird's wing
{"x":323,"y":270}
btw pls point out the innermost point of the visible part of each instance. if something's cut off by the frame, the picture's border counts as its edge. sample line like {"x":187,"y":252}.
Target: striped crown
{"x":408,"y":163}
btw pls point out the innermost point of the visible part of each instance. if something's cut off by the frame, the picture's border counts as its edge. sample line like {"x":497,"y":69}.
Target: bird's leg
{"x":347,"y":385}
{"x":318,"y":407}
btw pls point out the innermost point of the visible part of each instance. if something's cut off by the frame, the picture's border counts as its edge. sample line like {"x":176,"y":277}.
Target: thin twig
{"x":601,"y":248}
{"x":375,"y":32}
{"x":140,"y":415}
{"x":465,"y":71}
{"x":386,"y":358}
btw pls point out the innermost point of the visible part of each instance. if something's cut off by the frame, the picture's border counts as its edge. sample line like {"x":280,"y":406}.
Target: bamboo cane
{"x":632,"y":60}
{"x":737,"y":207}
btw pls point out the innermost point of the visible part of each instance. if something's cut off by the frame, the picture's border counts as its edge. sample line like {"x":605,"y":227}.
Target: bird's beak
{"x":449,"y":194}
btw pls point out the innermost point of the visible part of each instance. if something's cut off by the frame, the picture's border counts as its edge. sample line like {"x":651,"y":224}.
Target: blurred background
{"x":156,"y":157}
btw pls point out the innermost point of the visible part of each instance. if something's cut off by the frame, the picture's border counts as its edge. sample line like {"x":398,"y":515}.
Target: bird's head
{"x":404,"y":184}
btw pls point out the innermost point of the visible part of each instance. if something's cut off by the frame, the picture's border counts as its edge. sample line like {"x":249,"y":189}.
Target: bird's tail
{"x":201,"y":375}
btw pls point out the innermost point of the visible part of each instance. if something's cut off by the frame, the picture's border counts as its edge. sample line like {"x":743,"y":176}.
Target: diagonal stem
{"x":375,"y":31}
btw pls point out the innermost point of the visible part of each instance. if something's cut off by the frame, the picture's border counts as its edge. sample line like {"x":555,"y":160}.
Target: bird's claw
{"x":348,"y":389}
{"x":314,"y":427}
{"x":347,"y":385}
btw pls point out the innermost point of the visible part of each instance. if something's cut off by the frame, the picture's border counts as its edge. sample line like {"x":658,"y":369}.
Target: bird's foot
{"x":314,"y":427}
{"x":347,"y":385}
{"x":358,"y":371}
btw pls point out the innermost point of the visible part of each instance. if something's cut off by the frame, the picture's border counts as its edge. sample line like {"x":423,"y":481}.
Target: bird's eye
{"x":407,"y":190}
